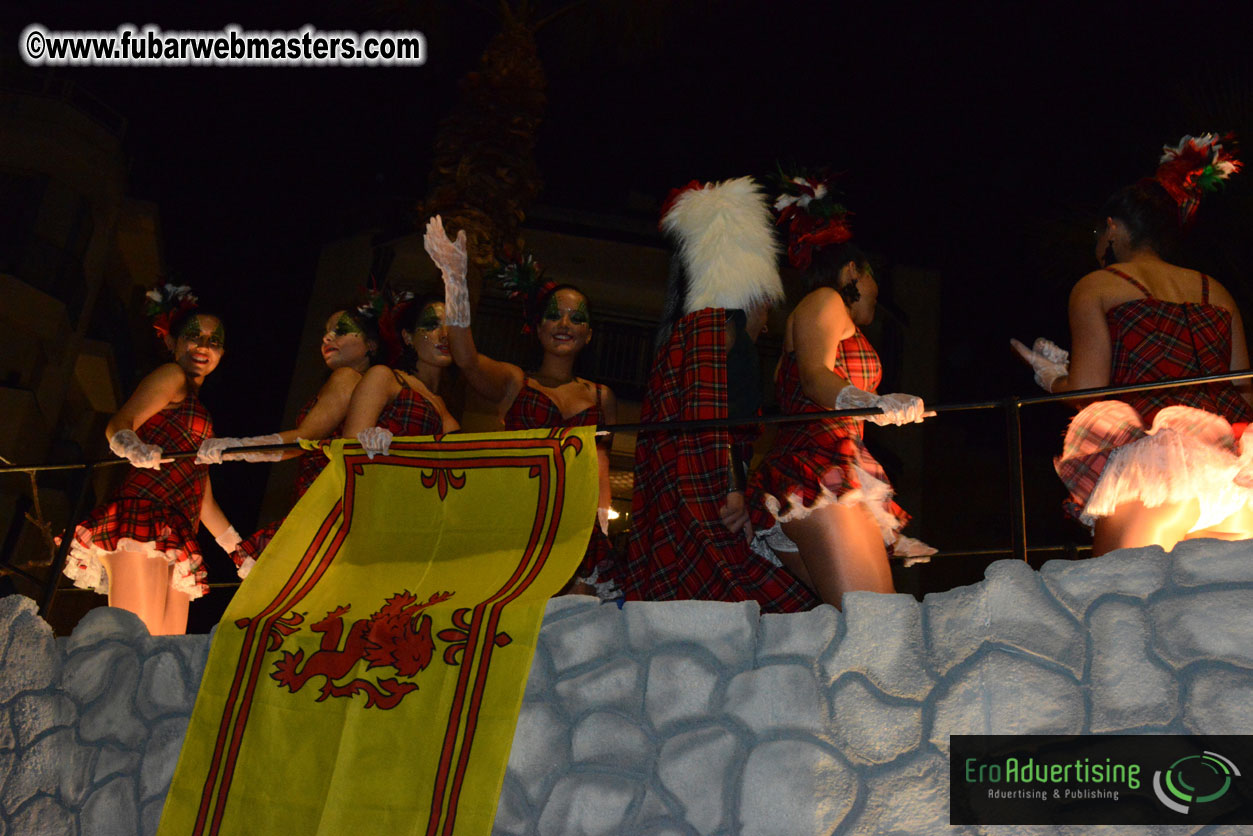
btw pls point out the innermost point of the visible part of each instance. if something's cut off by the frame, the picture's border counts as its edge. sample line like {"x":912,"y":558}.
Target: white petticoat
{"x":874,"y":494}
{"x":84,"y":566}
{"x":1170,"y":466}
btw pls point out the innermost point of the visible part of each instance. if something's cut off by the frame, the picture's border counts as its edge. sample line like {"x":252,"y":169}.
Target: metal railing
{"x":1012,"y":407}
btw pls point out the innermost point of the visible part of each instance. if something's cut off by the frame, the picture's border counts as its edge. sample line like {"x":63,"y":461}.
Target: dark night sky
{"x":978,"y":138}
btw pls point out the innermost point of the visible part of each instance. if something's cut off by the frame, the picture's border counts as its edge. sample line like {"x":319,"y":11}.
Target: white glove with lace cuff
{"x":210,"y":451}
{"x":245,"y":567}
{"x":229,"y":540}
{"x":1047,"y":360}
{"x":897,"y":408}
{"x":127,"y":445}
{"x":375,"y":440}
{"x":451,"y":259}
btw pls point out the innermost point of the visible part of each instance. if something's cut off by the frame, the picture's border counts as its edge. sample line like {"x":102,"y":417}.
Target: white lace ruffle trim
{"x":1168,"y":467}
{"x":84,"y":566}
{"x":874,"y":494}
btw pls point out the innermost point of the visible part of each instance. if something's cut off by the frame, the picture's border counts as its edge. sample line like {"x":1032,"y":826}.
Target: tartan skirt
{"x":136,"y":525}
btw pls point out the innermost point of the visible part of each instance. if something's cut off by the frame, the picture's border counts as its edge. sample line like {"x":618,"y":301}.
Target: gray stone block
{"x":1198,"y":562}
{"x":1219,"y":701}
{"x":563,"y":606}
{"x":8,"y":739}
{"x":160,"y":757}
{"x":727,"y":630}
{"x":539,"y":682}
{"x":541,"y":747}
{"x":88,"y":674}
{"x":805,"y":634}
{"x":105,"y":624}
{"x":12,"y":606}
{"x":609,"y":739}
{"x":149,"y":817}
{"x":110,"y":760}
{"x":28,"y":652}
{"x":617,"y":684}
{"x":513,"y":813}
{"x":884,"y":643}
{"x":163,"y":687}
{"x":1129,"y":687}
{"x":956,"y":625}
{"x":791,"y":787}
{"x":111,"y":716}
{"x":110,"y":810}
{"x":695,"y":767}
{"x":44,"y":817}
{"x":1204,"y":625}
{"x":1005,"y":693}
{"x":910,"y":798}
{"x":55,"y":766}
{"x":34,"y":714}
{"x":778,"y":697}
{"x":591,"y":804}
{"x":868,"y":729}
{"x":680,"y":687}
{"x":1131,"y":572}
{"x":586,"y":635}
{"x":1022,"y":614}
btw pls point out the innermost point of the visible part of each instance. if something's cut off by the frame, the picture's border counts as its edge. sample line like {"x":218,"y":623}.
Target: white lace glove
{"x":1047,"y":360}
{"x":229,"y":540}
{"x":602,"y":517}
{"x":897,"y":408}
{"x":375,"y":440}
{"x":210,"y":451}
{"x":126,"y":445}
{"x":451,"y":259}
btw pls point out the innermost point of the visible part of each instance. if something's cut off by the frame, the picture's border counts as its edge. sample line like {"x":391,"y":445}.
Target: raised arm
{"x":375,"y":391}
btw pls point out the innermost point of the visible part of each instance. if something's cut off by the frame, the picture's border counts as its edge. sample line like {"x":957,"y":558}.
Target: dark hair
{"x":369,"y":326}
{"x":824,"y":269}
{"x":541,"y":302}
{"x":1150,"y":215}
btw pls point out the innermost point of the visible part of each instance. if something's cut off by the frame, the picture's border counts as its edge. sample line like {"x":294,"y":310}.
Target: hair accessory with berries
{"x":523,"y":278}
{"x":384,"y":305}
{"x":808,"y":209}
{"x":1198,"y":164}
{"x":165,"y":302}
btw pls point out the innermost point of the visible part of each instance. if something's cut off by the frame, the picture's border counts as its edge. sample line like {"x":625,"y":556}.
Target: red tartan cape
{"x":679,"y":548}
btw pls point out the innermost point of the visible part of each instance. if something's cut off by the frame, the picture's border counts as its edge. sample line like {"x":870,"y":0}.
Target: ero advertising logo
{"x":1100,"y":779}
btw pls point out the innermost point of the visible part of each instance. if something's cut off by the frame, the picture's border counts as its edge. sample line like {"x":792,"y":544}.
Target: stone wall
{"x":708,"y":718}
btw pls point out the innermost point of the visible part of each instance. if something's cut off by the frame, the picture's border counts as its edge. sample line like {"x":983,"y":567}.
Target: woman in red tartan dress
{"x":348,"y":346}
{"x":1160,"y":466}
{"x":140,"y":546}
{"x":821,"y":504}
{"x":552,"y":395}
{"x":404,"y":400}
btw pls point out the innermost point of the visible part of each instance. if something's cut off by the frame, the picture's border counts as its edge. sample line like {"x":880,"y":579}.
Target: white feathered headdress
{"x":725,"y":241}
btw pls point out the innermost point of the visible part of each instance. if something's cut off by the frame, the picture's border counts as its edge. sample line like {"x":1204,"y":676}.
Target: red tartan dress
{"x":309,"y":466}
{"x":1169,"y":445}
{"x":533,"y":410}
{"x":410,"y":413}
{"x":679,"y":548}
{"x":816,"y":463}
{"x":156,"y":512}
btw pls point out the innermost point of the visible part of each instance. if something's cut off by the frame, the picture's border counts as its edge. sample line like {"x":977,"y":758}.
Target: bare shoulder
{"x":169,"y":379}
{"x":822,"y":309}
{"x":344,"y":379}
{"x":1220,"y":296}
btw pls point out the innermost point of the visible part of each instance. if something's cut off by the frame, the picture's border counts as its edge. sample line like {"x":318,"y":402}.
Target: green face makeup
{"x":345,"y":325}
{"x":430,"y":319}
{"x":579,"y":315}
{"x":192,"y":332}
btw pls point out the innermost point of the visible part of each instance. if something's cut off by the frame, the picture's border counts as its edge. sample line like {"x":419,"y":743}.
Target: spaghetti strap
{"x":1138,"y":286}
{"x":400,"y":378}
{"x":1204,"y":289}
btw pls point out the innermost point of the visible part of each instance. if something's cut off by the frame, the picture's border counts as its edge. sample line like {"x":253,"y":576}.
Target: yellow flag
{"x":367,"y":676}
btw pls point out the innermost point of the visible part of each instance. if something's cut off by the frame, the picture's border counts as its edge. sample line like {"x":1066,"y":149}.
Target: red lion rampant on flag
{"x":397,"y":636}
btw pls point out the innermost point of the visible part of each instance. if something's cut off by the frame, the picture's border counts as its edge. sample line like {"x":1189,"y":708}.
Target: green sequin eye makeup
{"x":192,"y":332}
{"x":430,"y":319}
{"x":345,"y":326}
{"x":579,"y":314}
